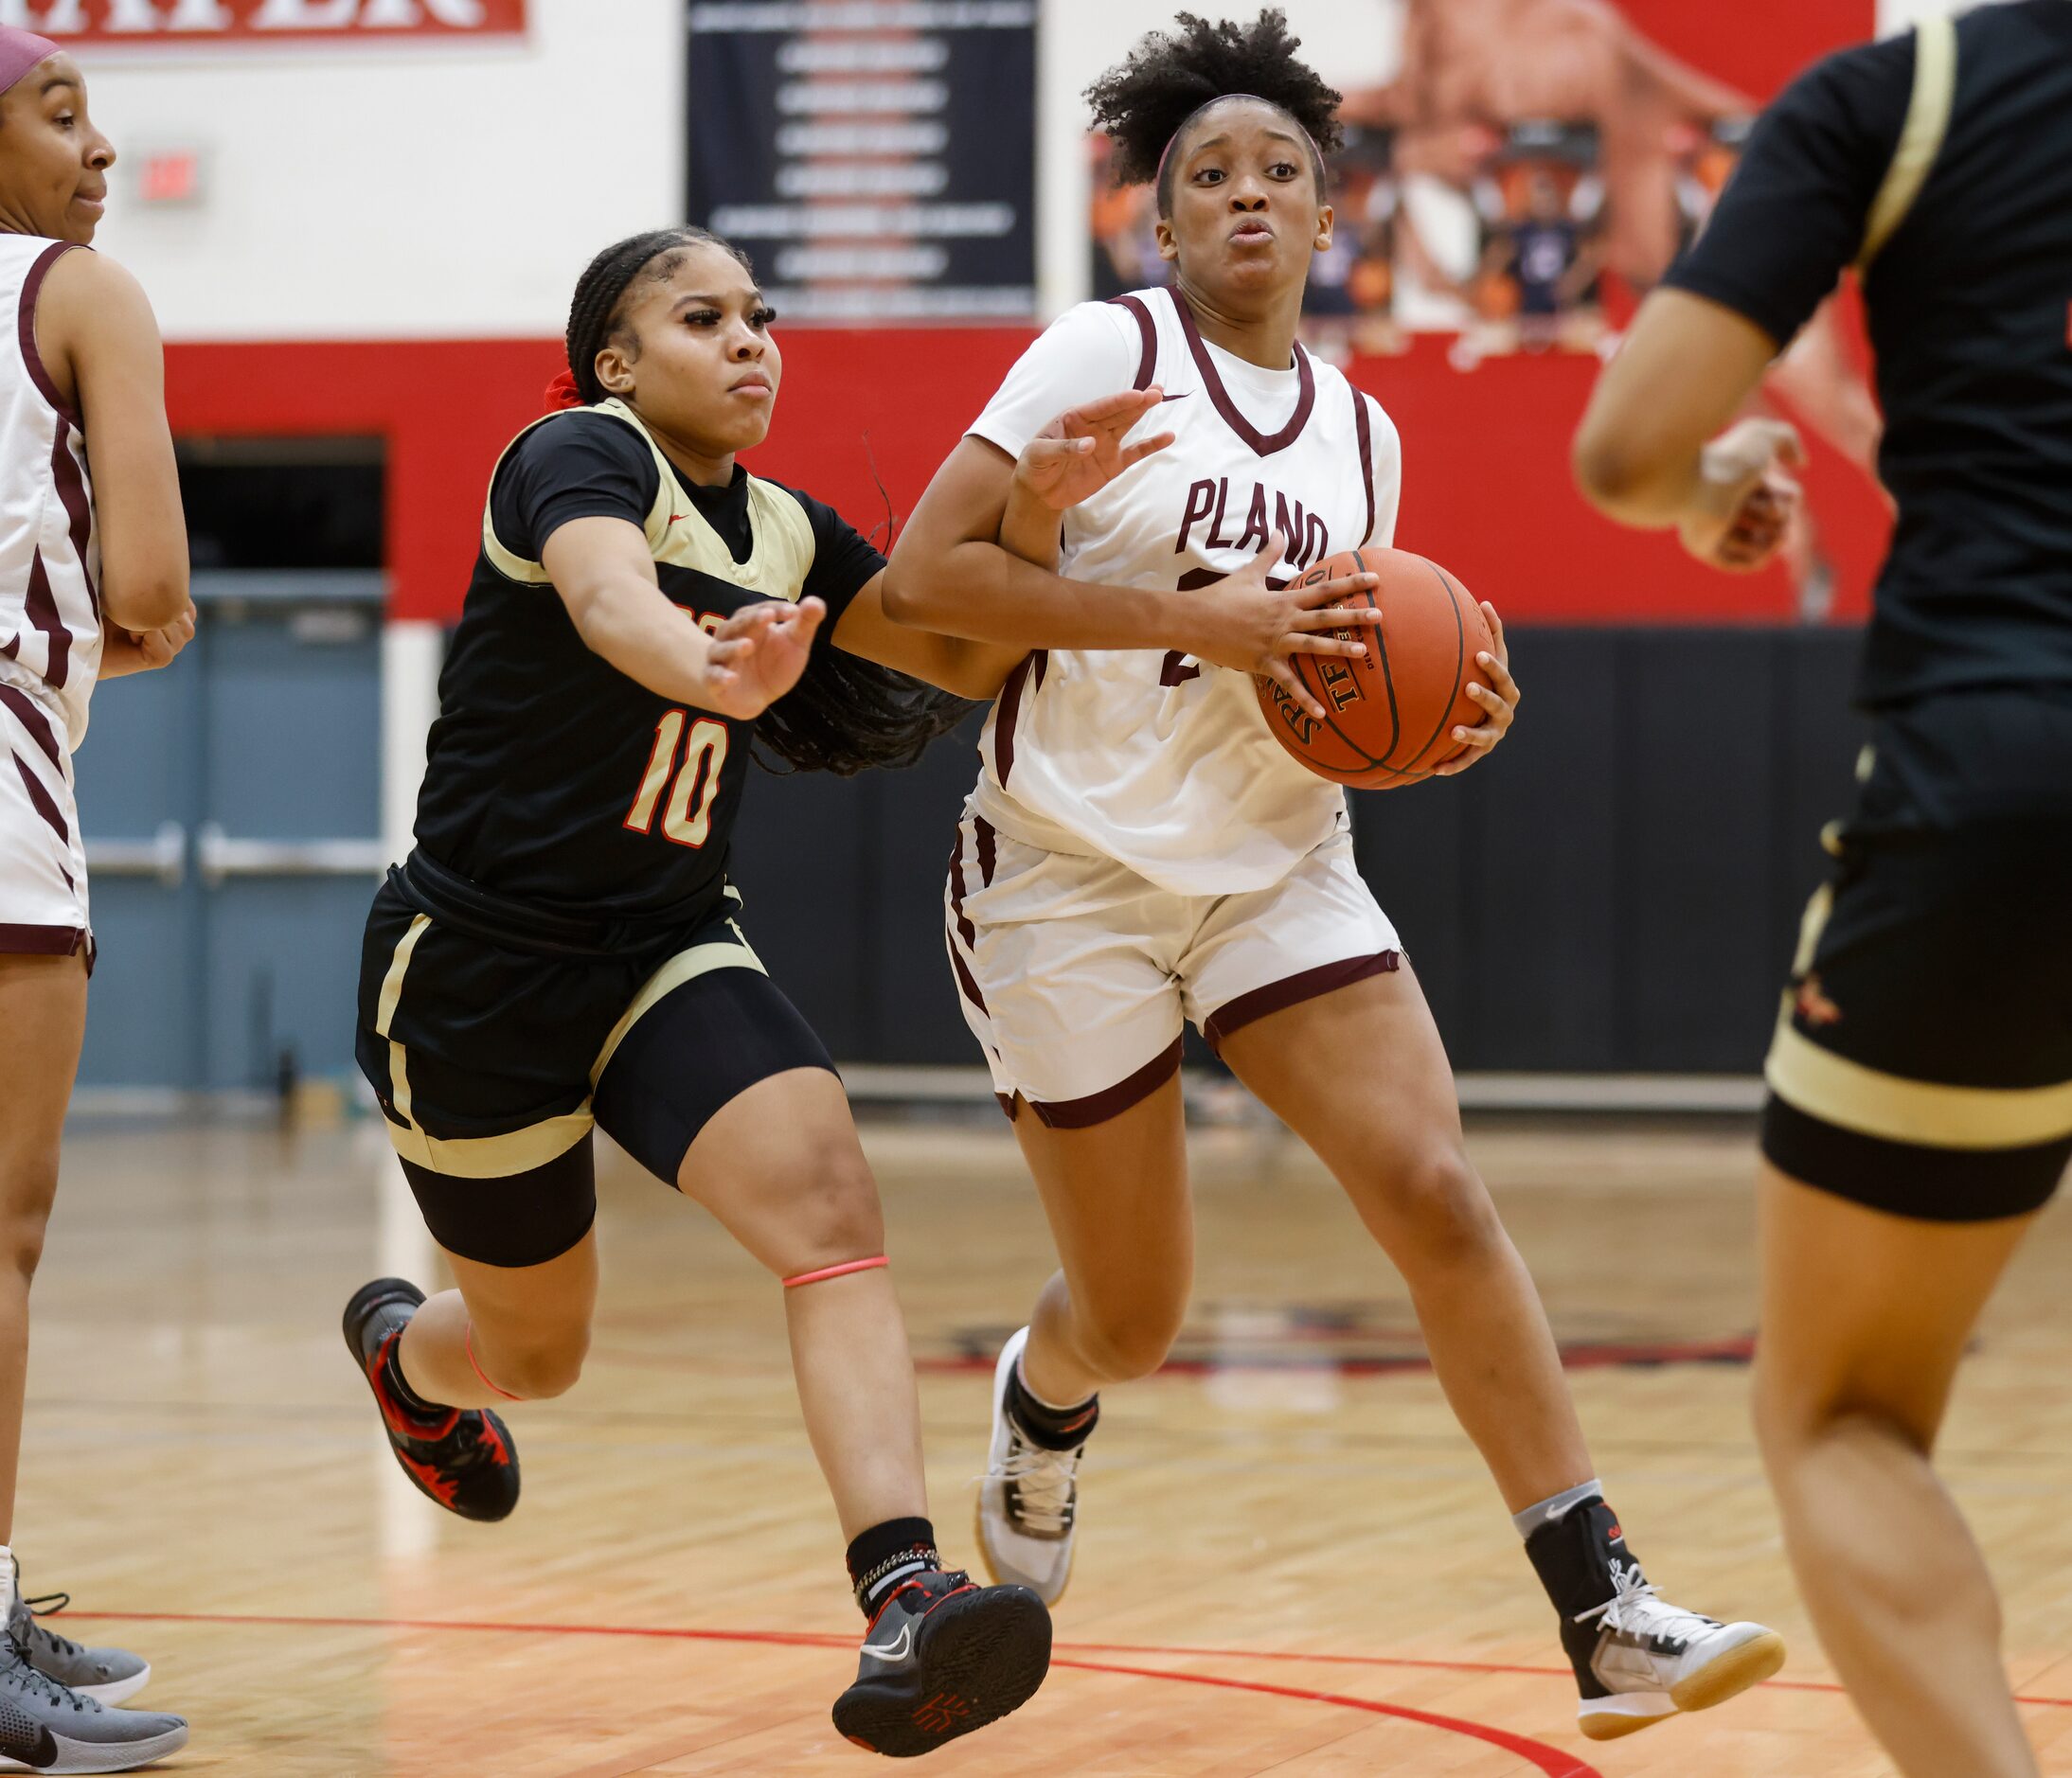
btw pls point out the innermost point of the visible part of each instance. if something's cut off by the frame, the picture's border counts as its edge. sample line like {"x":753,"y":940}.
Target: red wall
{"x":1486,"y":486}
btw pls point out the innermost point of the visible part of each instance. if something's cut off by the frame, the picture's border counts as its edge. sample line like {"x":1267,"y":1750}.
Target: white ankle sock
{"x":1557,"y":1506}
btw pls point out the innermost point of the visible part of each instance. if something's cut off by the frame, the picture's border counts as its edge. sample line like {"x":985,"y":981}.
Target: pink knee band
{"x":835,"y":1272}
{"x":475,"y":1364}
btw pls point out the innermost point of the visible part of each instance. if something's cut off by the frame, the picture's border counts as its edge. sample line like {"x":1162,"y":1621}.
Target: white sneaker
{"x":1654,"y":1659}
{"x":1028,"y":1499}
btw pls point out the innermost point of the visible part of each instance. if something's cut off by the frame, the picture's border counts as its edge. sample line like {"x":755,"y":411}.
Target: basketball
{"x":1392,"y":715}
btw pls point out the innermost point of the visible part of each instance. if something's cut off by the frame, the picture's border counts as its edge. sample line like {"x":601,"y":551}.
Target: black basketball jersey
{"x":1941,"y":162}
{"x":551,"y":778}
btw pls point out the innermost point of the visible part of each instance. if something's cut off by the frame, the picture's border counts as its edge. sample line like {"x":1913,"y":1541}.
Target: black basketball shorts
{"x":493,"y":1062}
{"x":1923,"y":1063}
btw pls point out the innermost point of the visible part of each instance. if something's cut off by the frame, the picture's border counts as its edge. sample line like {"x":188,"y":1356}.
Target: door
{"x":231,"y":806}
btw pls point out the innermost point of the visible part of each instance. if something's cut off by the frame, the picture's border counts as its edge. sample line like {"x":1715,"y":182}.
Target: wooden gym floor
{"x":1292,"y":1563}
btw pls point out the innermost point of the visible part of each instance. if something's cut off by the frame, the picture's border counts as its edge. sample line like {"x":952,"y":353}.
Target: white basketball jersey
{"x":1162,"y":762}
{"x":49,"y":550}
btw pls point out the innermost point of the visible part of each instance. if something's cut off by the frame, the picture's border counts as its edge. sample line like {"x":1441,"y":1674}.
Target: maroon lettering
{"x":1289,"y":525}
{"x":1200,"y":496}
{"x":1255,"y":522}
{"x":1216,"y":539}
{"x":1315,"y":541}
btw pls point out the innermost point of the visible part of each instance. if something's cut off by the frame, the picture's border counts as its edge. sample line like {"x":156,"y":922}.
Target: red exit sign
{"x":136,"y":24}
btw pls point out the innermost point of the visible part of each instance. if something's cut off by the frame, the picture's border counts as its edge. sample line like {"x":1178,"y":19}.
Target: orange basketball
{"x":1392,"y":715}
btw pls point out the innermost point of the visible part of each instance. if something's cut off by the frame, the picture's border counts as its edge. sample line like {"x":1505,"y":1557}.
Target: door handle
{"x":163,"y":856}
{"x":220,"y":857}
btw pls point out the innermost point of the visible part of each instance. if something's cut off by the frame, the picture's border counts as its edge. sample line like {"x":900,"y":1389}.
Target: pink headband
{"x":1165,"y":153}
{"x":20,"y":51}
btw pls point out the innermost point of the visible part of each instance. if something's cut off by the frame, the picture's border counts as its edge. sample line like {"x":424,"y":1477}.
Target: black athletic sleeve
{"x":844,"y":561}
{"x":1793,"y":216}
{"x":576,"y":465}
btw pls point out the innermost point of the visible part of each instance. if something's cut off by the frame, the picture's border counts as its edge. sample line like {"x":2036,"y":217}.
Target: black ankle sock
{"x":400,"y":1390}
{"x":1574,"y":1557}
{"x":887,"y":1555}
{"x":1054,"y":1428}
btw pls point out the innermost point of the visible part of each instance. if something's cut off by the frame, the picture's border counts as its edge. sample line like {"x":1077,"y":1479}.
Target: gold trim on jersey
{"x":777,"y":563}
{"x":1921,"y":140}
{"x":1895,"y":1109}
{"x":686,"y":966}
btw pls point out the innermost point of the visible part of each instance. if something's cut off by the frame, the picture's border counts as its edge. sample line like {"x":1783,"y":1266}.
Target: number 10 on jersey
{"x":688,"y":817}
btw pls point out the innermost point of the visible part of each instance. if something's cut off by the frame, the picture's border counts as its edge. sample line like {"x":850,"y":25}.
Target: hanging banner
{"x":877,"y":157}
{"x":188,"y":24}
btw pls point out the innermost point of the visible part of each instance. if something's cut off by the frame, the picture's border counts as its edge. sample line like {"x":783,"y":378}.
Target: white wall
{"x":443,"y":191}
{"x":455,"y":191}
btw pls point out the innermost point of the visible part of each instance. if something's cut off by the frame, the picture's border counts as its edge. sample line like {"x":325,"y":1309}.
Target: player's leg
{"x":722,"y":1087}
{"x":1361,"y":1075}
{"x":1865,"y":1316}
{"x":1920,"y":1113}
{"x":1065,"y":970}
{"x":43,"y":1020}
{"x":1304,"y":992}
{"x":516,"y":1328}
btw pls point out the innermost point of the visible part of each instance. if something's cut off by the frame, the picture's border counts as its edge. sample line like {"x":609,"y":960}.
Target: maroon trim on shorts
{"x":966,"y":986}
{"x":1363,"y":427}
{"x":39,"y":799}
{"x":983,"y":835}
{"x":13,"y":645}
{"x":26,"y":328}
{"x":32,"y":719}
{"x":956,"y":890}
{"x":1292,"y":991}
{"x":1007,"y":1104}
{"x":1147,"y":331}
{"x":40,"y":605}
{"x":1264,"y":444}
{"x":47,"y":941}
{"x":1098,"y":1108}
{"x":1010,"y":708}
{"x":65,"y":471}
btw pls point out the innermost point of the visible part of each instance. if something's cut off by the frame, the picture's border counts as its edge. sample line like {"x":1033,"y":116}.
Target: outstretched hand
{"x":1747,"y":496}
{"x":1082,"y":450}
{"x":758,"y":656}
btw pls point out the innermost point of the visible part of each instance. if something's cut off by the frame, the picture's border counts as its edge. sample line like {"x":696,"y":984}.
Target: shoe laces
{"x":1043,"y":1484}
{"x":16,"y":1666}
{"x":50,"y":1605}
{"x":1636,"y":1608}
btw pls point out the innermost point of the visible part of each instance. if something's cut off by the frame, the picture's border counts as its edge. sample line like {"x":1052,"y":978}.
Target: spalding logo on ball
{"x":1390,"y":718}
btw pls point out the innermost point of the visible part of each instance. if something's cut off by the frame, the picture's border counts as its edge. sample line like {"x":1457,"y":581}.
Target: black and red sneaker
{"x":461,"y":1457}
{"x":941,"y":1657}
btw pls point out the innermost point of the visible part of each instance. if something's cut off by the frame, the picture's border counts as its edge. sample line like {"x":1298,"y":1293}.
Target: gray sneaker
{"x":46,"y":1727}
{"x":106,"y":1675}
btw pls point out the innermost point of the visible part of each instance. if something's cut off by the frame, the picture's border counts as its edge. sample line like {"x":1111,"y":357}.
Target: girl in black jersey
{"x":563,"y":949}
{"x":1920,"y":1114}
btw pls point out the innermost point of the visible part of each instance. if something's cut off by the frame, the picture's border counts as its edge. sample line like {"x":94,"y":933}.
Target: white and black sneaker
{"x":46,"y":1727}
{"x":1637,"y":1659}
{"x":943,"y":1658}
{"x":1028,"y":1497}
{"x":106,"y":1675}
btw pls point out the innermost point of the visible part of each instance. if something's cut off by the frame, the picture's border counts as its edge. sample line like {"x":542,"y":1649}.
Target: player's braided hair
{"x":595,"y":314}
{"x":1145,"y":100}
{"x":844,"y":714}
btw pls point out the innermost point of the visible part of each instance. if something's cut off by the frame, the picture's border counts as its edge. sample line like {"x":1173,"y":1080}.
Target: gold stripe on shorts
{"x":686,"y":966}
{"x":467,"y":1157}
{"x":1922,"y":1112}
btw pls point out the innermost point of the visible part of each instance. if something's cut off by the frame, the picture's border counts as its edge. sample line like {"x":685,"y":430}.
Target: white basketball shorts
{"x":43,"y":867}
{"x":1076,"y":975}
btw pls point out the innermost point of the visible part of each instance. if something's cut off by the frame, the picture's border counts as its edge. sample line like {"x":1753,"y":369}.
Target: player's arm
{"x":604,"y":575}
{"x":955,"y":664}
{"x":1657,"y":449}
{"x":94,"y":322}
{"x":953,"y":571}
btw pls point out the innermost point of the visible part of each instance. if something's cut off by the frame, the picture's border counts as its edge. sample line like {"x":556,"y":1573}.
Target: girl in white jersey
{"x":1139,"y":850}
{"x":92,"y":583}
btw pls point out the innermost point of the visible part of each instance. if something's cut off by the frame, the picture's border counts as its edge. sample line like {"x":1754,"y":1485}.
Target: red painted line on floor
{"x":1551,"y":1760}
{"x":812,"y":1639}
